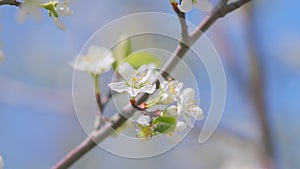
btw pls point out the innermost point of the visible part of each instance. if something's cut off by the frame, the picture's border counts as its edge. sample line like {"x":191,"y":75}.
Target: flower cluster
{"x":170,"y":108}
{"x":178,"y":103}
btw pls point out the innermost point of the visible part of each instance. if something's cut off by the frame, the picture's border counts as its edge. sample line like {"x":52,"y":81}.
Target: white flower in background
{"x":187,"y":108}
{"x":56,"y":10}
{"x":1,"y":55}
{"x":180,"y":126}
{"x":169,"y":91}
{"x":1,"y":162}
{"x":98,"y":60}
{"x":187,"y":5}
{"x":30,"y":8}
{"x":143,"y":120}
{"x":136,"y":81}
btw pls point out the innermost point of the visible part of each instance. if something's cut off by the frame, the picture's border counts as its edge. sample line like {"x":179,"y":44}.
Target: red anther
{"x":132,"y":102}
{"x":143,"y":105}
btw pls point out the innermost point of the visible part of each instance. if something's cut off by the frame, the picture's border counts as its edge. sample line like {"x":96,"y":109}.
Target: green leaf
{"x":164,"y":124}
{"x":121,"y":51}
{"x":138,"y":59}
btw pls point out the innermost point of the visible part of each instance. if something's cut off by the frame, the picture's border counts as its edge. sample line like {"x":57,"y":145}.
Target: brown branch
{"x":184,"y":28}
{"x":257,"y":91}
{"x":10,"y":2}
{"x":117,"y":120}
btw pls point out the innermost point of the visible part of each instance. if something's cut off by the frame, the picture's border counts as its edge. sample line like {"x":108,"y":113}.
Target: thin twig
{"x":101,"y":102}
{"x":184,"y":27}
{"x":117,"y":120}
{"x":10,"y":2}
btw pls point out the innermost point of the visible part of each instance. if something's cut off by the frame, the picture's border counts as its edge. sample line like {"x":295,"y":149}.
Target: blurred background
{"x":259,"y":47}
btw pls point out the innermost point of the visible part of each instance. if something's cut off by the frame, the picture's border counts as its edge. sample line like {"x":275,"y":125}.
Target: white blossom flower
{"x":60,"y":9}
{"x":1,"y":162}
{"x":169,"y":91}
{"x":30,"y":8}
{"x":187,"y":108}
{"x":187,"y":5}
{"x":136,"y":81}
{"x":98,"y":60}
{"x":63,"y":9}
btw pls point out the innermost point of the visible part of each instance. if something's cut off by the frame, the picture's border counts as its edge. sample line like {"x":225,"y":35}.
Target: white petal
{"x":133,"y":92}
{"x":119,"y":87}
{"x":178,"y":87}
{"x":106,"y":63}
{"x":148,"y":89}
{"x":63,"y":9}
{"x":142,"y":69}
{"x":186,"y":96}
{"x":203,"y":5}
{"x":185,"y":6}
{"x":127,"y":71}
{"x":96,"y":52}
{"x":199,"y":113}
{"x":58,"y":23}
{"x":180,"y":126}
{"x":188,"y":92}
{"x":143,"y":120}
{"x":78,"y":65}
{"x":180,"y":109}
{"x":167,"y":98}
{"x":188,"y":120}
{"x":30,"y":8}
{"x":171,"y":111}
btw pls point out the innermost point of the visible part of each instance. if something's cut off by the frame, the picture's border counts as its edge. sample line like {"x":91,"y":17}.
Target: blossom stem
{"x":98,"y":101}
{"x":153,"y":101}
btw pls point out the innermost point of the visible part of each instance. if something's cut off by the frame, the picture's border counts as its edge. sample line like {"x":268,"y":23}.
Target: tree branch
{"x":118,"y":119}
{"x":257,"y":90}
{"x":184,"y":28}
{"x":10,"y":2}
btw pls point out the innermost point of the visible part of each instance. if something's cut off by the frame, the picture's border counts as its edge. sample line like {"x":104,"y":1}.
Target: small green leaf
{"x":121,"y":51}
{"x":164,"y":124}
{"x":138,"y":59}
{"x":55,"y":13}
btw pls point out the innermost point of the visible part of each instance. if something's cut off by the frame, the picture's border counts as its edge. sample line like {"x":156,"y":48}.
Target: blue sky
{"x":37,"y":57}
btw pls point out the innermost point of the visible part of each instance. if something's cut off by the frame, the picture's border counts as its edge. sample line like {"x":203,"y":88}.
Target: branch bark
{"x":118,"y":119}
{"x":10,"y":2}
